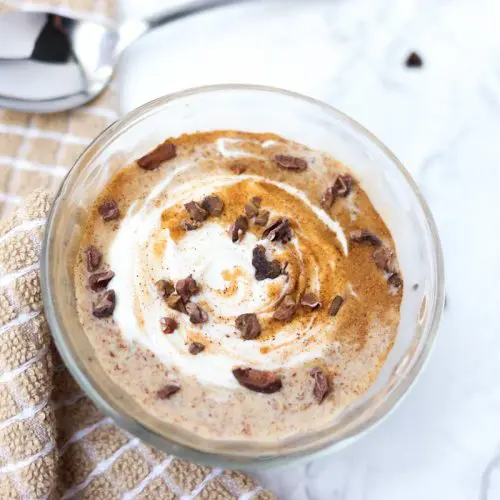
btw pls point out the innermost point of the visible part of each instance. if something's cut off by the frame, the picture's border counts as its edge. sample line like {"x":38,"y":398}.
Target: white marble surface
{"x":443,"y":122}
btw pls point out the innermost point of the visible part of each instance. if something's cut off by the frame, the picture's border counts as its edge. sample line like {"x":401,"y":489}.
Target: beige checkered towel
{"x":54,"y":443}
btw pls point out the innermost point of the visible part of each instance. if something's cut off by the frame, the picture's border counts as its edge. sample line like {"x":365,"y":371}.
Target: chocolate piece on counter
{"x":364,"y":237}
{"x":249,"y":326}
{"x":384,"y":259}
{"x":413,"y":61}
{"x":153,"y":159}
{"x":321,"y":384}
{"x":168,"y":391}
{"x":100,"y":280}
{"x":264,"y":268}
{"x":239,"y":228}
{"x":176,"y":303}
{"x":196,"y":211}
{"x":195,"y":348}
{"x":252,"y":207}
{"x":105,"y":305}
{"x":262,"y":218}
{"x":279,"y":230}
{"x":213,"y":205}
{"x":109,"y":210}
{"x":164,"y":288}
{"x":168,"y":325}
{"x":395,"y":280}
{"x":310,"y":300}
{"x":289,"y":162}
{"x":335,"y":305}
{"x":258,"y":380}
{"x":286,"y":309}
{"x":190,"y":225}
{"x":93,"y":258}
{"x":196,"y":313}
{"x":187,"y":287}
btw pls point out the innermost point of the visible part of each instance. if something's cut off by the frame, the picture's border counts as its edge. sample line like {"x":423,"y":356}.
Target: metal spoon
{"x":51,"y":63}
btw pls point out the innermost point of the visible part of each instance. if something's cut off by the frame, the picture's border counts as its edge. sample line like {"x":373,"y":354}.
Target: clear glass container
{"x":295,"y":117}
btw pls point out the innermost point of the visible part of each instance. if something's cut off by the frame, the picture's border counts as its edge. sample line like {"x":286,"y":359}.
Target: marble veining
{"x":443,"y":121}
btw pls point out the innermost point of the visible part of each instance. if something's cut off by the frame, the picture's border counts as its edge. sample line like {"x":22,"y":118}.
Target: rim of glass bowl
{"x":135,"y":427}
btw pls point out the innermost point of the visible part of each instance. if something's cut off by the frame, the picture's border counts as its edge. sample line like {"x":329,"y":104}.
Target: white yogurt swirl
{"x":143,"y":252}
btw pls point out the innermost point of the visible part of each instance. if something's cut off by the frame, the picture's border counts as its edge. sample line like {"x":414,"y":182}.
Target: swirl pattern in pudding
{"x":294,"y":309}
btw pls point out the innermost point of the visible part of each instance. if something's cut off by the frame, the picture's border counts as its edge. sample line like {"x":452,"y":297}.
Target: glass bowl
{"x":295,"y":117}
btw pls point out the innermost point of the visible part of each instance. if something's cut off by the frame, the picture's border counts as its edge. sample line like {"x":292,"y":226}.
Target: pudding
{"x":239,"y":285}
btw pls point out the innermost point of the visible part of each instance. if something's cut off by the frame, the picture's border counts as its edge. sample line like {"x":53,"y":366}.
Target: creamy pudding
{"x":239,"y":285}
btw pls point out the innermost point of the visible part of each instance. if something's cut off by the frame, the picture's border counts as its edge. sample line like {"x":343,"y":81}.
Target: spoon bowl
{"x":51,"y":63}
{"x":58,"y":64}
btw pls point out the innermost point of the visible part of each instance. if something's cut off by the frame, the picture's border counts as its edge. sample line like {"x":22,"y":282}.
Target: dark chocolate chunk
{"x":279,"y":230}
{"x":93,"y":257}
{"x":176,"y":303}
{"x":196,"y":211}
{"x":335,"y":305}
{"x":238,"y":168}
{"x":395,"y":280}
{"x":328,"y":198}
{"x":168,"y":325}
{"x":384,"y":259}
{"x":190,"y":225}
{"x":109,"y":210}
{"x":413,"y":60}
{"x":340,"y":188}
{"x":258,"y":380}
{"x":213,"y":205}
{"x":168,"y":390}
{"x":164,"y":288}
{"x":310,"y":300}
{"x":321,"y":384}
{"x":187,"y":287}
{"x":195,"y":348}
{"x":286,"y":309}
{"x":239,"y":228}
{"x":252,"y":207}
{"x":249,"y":326}
{"x":343,"y":185}
{"x":105,"y":304}
{"x":289,"y":162}
{"x":153,"y":159}
{"x":264,"y":268}
{"x":196,"y":313}
{"x":364,"y":237}
{"x":262,"y":218}
{"x":100,"y":280}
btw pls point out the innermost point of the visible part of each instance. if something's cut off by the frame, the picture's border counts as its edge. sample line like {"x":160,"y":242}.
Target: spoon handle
{"x":173,"y":14}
